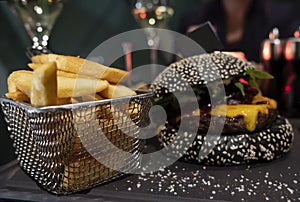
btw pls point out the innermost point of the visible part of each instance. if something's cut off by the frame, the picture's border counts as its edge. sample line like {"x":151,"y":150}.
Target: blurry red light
{"x":238,"y":54}
{"x":143,"y":15}
{"x":287,"y":88}
{"x":266,"y":53}
{"x":288,"y":53}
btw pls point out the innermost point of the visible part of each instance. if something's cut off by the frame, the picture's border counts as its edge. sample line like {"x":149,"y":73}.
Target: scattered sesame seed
{"x":290,"y":190}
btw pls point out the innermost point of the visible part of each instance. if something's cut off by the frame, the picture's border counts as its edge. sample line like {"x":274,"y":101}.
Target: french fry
{"x":34,"y":66}
{"x":72,"y":75}
{"x":67,"y":87}
{"x":74,"y":100}
{"x":82,"y":66}
{"x":58,"y":79}
{"x":98,"y":97}
{"x":18,"y":96}
{"x":95,"y":97}
{"x":141,"y":86}
{"x":63,"y":101}
{"x":77,"y":87}
{"x":134,"y":110}
{"x":114,"y":91}
{"x":60,"y":73}
{"x":82,"y":173}
{"x":78,"y":80}
{"x":44,"y":58}
{"x":19,"y":79}
{"x":86,"y":98}
{"x":43,"y":90}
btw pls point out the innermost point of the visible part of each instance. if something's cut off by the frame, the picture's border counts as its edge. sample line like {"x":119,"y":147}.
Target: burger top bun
{"x":198,"y":70}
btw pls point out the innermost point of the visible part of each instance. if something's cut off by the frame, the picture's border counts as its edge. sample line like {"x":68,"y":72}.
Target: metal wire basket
{"x":59,"y":147}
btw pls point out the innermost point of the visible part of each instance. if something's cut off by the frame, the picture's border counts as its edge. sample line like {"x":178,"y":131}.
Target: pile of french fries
{"x":58,"y":79}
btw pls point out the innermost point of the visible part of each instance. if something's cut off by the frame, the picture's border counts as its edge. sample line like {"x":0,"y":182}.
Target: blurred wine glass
{"x":38,"y":17}
{"x":151,"y":14}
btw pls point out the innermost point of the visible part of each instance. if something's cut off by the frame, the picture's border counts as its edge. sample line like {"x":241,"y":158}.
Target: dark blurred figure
{"x":242,"y":25}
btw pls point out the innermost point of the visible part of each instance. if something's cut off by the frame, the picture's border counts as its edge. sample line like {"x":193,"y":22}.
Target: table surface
{"x":278,"y":180}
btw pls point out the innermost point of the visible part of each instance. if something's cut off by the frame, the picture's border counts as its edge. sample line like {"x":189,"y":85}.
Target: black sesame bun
{"x":235,"y":149}
{"x":253,"y":131}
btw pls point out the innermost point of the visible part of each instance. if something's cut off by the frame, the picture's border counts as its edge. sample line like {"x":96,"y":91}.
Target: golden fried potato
{"x":82,"y":173}
{"x":82,"y":66}
{"x":86,"y":98}
{"x":75,"y":100}
{"x":77,"y":80}
{"x":18,"y":96}
{"x":67,"y":87}
{"x":63,"y":101}
{"x":20,"y":80}
{"x":77,"y":87}
{"x":59,"y":72}
{"x":34,"y":66}
{"x":95,"y":97}
{"x":72,"y":75}
{"x":44,"y":85}
{"x":44,"y":58}
{"x":114,"y":91}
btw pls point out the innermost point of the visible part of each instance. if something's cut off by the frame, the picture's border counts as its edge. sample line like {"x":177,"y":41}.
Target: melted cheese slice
{"x":258,"y":99}
{"x":248,"y":111}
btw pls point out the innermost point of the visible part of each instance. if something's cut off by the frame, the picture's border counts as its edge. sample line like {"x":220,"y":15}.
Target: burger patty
{"x":232,"y":126}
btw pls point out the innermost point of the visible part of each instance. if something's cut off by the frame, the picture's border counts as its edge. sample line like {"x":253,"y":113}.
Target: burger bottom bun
{"x":225,"y":150}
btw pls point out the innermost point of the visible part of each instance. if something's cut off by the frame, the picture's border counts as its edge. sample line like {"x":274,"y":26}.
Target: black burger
{"x":252,"y":129}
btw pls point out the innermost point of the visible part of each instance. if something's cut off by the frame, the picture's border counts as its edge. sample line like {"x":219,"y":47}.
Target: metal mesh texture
{"x":71,"y":148}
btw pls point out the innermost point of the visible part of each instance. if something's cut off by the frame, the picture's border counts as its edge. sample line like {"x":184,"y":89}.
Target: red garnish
{"x":243,"y":81}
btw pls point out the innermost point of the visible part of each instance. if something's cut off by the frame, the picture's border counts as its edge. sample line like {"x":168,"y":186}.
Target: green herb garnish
{"x":258,"y":74}
{"x":240,"y":86}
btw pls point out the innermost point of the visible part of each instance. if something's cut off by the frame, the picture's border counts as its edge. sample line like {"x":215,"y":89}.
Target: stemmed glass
{"x":151,"y":14}
{"x":38,"y":17}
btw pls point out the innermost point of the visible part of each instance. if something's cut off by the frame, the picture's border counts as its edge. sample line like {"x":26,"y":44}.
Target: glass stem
{"x":127,"y":49}
{"x":153,"y":42}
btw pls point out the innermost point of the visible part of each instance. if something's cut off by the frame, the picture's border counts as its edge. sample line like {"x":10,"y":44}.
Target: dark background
{"x":81,"y":27}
